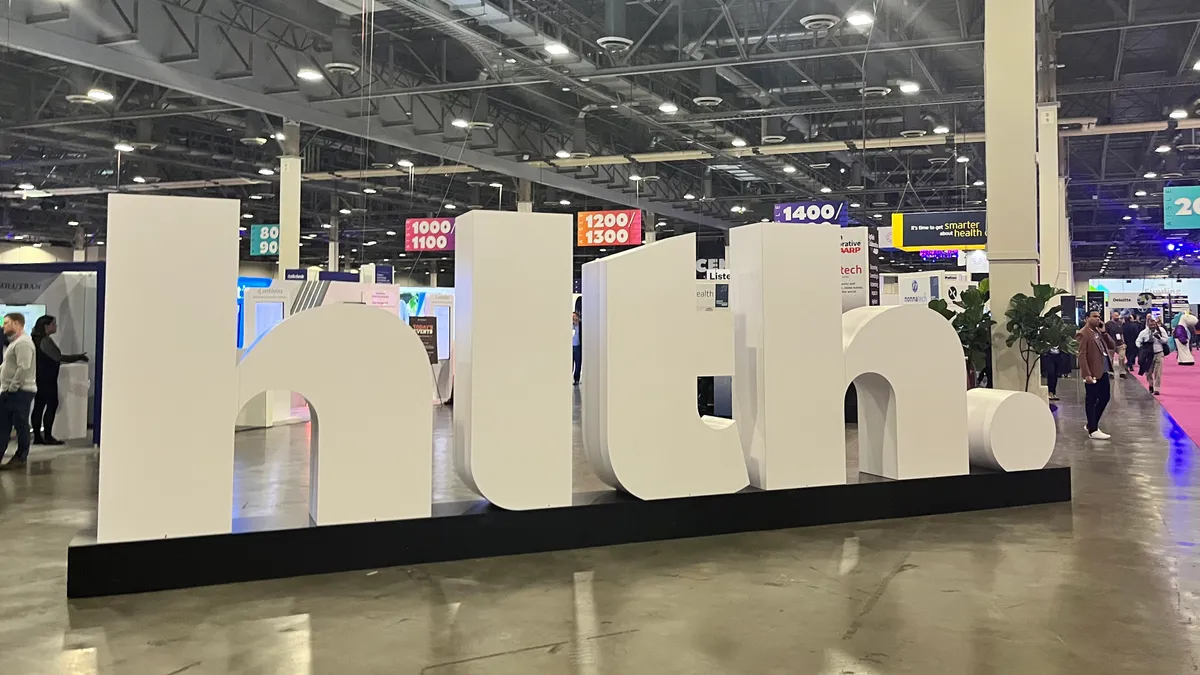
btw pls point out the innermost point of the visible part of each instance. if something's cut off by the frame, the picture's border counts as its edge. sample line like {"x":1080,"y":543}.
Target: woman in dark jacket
{"x":49,"y":359}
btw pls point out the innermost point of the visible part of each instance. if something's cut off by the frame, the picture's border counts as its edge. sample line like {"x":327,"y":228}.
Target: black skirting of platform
{"x":463,"y":530}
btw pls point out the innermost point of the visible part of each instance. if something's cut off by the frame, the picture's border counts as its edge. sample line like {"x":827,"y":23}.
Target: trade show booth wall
{"x":73,"y":292}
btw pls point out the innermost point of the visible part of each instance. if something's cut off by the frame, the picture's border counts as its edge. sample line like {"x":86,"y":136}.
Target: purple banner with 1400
{"x":827,"y":213}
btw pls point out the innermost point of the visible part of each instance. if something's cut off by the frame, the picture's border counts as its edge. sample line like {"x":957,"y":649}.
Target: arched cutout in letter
{"x":372,"y":457}
{"x":912,"y":407}
{"x":641,"y":323}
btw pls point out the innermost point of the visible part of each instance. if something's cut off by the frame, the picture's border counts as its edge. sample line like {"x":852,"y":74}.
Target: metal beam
{"x":51,"y":44}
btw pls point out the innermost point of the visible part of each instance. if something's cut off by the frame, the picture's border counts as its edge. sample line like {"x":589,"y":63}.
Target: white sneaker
{"x":1098,"y":435}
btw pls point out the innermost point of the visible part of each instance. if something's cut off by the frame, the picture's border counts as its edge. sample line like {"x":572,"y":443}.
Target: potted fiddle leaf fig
{"x":973,"y":323}
{"x":1036,"y":330}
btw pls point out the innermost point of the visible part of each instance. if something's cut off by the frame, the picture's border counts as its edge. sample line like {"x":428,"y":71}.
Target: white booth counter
{"x":74,"y":383}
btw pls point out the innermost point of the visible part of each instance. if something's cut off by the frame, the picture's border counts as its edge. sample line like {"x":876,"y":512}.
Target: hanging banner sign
{"x":609,"y":228}
{"x":965,"y":230}
{"x":264,"y":240}
{"x":429,"y":234}
{"x":813,"y":213}
{"x":1181,"y":207}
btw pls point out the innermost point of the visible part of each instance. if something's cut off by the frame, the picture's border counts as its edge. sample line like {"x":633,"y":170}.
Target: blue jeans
{"x":14,"y":412}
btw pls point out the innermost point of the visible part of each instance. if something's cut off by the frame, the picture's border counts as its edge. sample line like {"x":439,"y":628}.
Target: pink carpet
{"x":1180,"y":395}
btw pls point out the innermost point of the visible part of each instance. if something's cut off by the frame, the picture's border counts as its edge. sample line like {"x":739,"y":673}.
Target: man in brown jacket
{"x":1096,"y":351}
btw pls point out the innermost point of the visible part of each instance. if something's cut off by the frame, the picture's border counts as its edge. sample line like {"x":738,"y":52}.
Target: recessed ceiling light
{"x":122,"y":146}
{"x":310,"y":74}
{"x":556,"y":49}
{"x":738,"y":142}
{"x":266,"y":171}
{"x":668,"y":108}
{"x":100,"y":95}
{"x":859,"y":19}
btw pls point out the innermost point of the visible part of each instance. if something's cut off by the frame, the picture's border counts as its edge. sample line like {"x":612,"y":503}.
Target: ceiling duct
{"x":1171,"y":167}
{"x":915,"y":125}
{"x":383,"y":157}
{"x":857,"y":182}
{"x":820,"y":15}
{"x":579,"y":148}
{"x":480,"y":111}
{"x":549,"y":196}
{"x":820,"y":161}
{"x":875,"y":83}
{"x":772,"y":130}
{"x":253,"y":134}
{"x":475,"y":201}
{"x":343,"y":59}
{"x":706,"y":186}
{"x":708,"y":97}
{"x":614,"y":39}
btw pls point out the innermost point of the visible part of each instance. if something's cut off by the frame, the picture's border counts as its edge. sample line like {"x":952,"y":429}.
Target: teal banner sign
{"x":264,"y":240}
{"x":1181,"y":208}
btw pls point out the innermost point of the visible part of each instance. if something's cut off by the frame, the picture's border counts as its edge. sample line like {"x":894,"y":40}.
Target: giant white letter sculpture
{"x":641,"y":357}
{"x":787,"y":304}
{"x":912,"y":408}
{"x":368,"y":398}
{"x":512,"y":399}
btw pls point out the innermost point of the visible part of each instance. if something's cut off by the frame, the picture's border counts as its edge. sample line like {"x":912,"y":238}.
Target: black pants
{"x":577,"y":359}
{"x":45,"y":407}
{"x":1096,"y":401}
{"x":14,"y":412}
{"x":1054,"y":369}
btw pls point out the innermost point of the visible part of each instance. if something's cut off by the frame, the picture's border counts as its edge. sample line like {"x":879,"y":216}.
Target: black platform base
{"x":463,"y":530}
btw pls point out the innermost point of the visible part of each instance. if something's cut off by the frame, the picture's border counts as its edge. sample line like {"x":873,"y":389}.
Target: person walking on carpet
{"x":1130,"y":331}
{"x":1096,"y":350}
{"x":1152,"y":345}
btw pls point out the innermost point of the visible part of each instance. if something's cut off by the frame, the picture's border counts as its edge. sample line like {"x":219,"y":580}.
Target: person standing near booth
{"x":1096,"y":349}
{"x":1153,"y":345}
{"x":1113,"y":328}
{"x":18,"y":384}
{"x":49,"y":360}
{"x":1130,"y":331}
{"x":576,"y":345}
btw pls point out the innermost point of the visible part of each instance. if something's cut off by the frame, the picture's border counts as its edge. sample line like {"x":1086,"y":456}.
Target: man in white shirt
{"x":18,"y":384}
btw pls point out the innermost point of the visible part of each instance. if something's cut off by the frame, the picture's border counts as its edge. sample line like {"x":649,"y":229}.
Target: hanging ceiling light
{"x":1179,"y":114}
{"x":459,"y":123}
{"x":1150,"y":174}
{"x":689,"y":196}
{"x":788,"y":168}
{"x":564,"y":202}
{"x":563,"y":154}
{"x":860,"y":19}
{"x":139,"y":179}
{"x":941,"y":129}
{"x":404,"y":164}
{"x":123,"y":146}
{"x":668,"y":108}
{"x":556,"y":49}
{"x":310,"y":74}
{"x":345,"y":211}
{"x":26,"y":186}
{"x":978,"y":183}
{"x":266,"y":171}
{"x":963,"y":159}
{"x":910,"y":87}
{"x":738,"y":142}
{"x":100,"y":95}
{"x":1163,"y":149}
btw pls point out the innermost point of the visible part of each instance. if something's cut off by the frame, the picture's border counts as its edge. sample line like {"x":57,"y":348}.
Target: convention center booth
{"x":372,"y":359}
{"x":73,"y":293}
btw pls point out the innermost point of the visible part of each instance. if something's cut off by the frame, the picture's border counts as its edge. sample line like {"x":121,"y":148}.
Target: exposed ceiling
{"x":726,"y":103}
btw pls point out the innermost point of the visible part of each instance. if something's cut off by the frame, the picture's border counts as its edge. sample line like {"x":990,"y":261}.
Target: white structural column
{"x":335,"y":235}
{"x":1050,"y":199}
{"x":525,"y":196}
{"x":289,"y":199}
{"x":1010,"y":94}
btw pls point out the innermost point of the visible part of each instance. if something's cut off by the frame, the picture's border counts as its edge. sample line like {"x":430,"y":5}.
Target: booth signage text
{"x":609,"y":228}
{"x":429,"y":234}
{"x":264,"y":240}
{"x":946,"y":230}
{"x":426,"y":328}
{"x":1181,"y":207}
{"x":832,"y":213}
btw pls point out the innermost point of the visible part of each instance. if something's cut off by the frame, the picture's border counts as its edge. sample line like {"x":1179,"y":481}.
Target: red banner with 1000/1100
{"x":610,"y":228}
{"x":429,"y":234}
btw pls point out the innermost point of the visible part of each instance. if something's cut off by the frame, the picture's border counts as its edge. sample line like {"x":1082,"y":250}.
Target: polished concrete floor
{"x":1105,"y":585}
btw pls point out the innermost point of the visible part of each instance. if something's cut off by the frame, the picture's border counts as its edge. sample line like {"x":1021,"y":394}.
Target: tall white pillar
{"x":1049,"y":187}
{"x":524,"y":195}
{"x":334,"y":244}
{"x":290,"y":169}
{"x":1010,"y":95}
